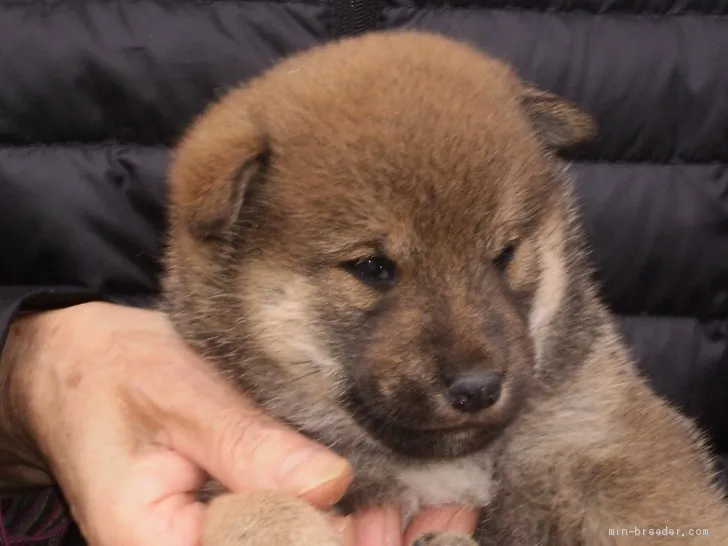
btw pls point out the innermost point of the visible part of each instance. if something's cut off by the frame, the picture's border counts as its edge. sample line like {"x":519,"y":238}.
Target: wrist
{"x":21,"y":461}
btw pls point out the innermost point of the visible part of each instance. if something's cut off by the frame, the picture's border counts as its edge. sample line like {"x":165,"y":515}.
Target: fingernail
{"x":464,"y":521}
{"x":378,"y":527}
{"x":348,"y":534}
{"x":310,"y":469}
{"x":392,"y":527}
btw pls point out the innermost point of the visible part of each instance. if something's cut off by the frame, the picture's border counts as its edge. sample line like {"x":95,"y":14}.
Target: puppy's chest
{"x":467,"y":481}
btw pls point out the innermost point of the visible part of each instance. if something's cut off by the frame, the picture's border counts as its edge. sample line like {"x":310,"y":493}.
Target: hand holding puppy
{"x":131,"y":422}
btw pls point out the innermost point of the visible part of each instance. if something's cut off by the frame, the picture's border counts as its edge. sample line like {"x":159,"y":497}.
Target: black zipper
{"x":352,"y":17}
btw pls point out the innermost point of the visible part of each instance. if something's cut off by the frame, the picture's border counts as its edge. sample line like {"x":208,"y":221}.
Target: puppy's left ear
{"x":558,"y":122}
{"x":223,"y":155}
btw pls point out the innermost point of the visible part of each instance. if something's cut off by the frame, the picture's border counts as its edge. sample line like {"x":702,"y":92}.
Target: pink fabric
{"x":33,"y":518}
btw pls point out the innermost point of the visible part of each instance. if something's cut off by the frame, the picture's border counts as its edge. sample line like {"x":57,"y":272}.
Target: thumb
{"x":206,"y":420}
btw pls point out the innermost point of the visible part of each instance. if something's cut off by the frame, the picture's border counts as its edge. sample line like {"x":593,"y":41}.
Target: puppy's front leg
{"x":266,"y":518}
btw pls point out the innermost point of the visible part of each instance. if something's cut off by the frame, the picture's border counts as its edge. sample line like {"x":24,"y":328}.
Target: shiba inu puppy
{"x":375,"y":240}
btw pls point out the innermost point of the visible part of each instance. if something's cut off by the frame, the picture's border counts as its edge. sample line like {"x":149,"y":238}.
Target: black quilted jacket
{"x":92,"y":94}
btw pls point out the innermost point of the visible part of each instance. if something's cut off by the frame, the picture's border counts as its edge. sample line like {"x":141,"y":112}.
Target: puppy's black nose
{"x":474,"y":391}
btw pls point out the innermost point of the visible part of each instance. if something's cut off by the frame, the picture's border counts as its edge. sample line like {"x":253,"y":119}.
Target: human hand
{"x":128,"y":417}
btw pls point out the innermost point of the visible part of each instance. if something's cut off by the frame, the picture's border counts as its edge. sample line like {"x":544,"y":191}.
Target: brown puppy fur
{"x":363,"y":239}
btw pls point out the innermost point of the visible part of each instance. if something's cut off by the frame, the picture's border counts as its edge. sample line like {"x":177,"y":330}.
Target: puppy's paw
{"x":444,"y":539}
{"x":266,"y":518}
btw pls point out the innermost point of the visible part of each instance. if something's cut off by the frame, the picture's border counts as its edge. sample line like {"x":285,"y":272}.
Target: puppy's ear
{"x":223,"y":155}
{"x":558,"y":122}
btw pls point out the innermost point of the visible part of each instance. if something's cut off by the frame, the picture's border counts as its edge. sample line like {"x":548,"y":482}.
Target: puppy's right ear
{"x":222,"y":155}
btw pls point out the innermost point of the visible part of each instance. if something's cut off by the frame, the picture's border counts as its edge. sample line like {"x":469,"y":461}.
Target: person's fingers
{"x":181,"y":523}
{"x":379,"y":527}
{"x":450,"y":518}
{"x":157,"y":500}
{"x":209,"y":422}
{"x":163,"y":471}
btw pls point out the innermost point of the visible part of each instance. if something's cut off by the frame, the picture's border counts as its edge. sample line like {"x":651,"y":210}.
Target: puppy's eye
{"x":505,"y":256}
{"x":377,"y":271}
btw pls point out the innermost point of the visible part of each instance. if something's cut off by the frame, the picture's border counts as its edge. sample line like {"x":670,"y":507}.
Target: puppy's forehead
{"x":431,"y":135}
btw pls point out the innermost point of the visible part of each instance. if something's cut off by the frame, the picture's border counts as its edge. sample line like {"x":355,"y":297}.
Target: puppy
{"x":376,"y":242}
